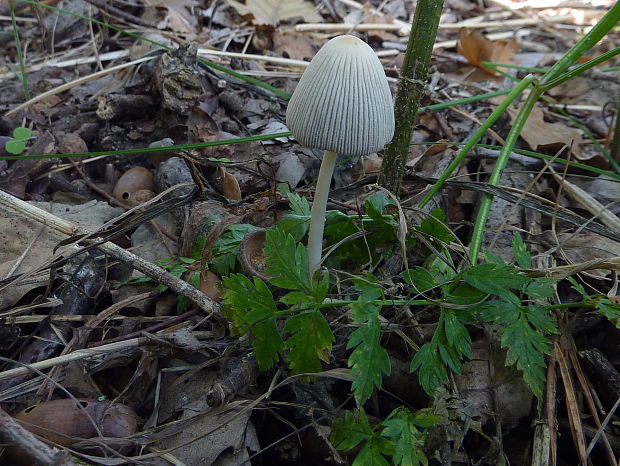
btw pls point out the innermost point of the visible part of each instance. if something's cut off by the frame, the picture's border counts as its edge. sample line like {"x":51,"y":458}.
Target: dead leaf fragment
{"x":477,"y":49}
{"x":552,"y":136}
{"x":231,"y":187}
{"x":272,"y":12}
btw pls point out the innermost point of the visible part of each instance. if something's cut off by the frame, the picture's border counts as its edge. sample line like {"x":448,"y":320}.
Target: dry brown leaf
{"x":293,"y":45}
{"x":541,"y":135}
{"x":372,"y":18}
{"x":272,"y":12}
{"x":231,"y":187}
{"x":477,"y":49}
{"x":178,"y":17}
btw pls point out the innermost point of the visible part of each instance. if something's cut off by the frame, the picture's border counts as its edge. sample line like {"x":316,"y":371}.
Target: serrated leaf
{"x":435,"y":227}
{"x":287,"y":261}
{"x":524,"y":343}
{"x":431,"y":370}
{"x":252,"y":308}
{"x":272,"y":12}
{"x":368,"y":361}
{"x":421,"y":279}
{"x":349,"y":432}
{"x":609,"y":310}
{"x":310,"y":342}
{"x":375,"y":205}
{"x":372,"y":453}
{"x":494,"y":279}
{"x":408,"y":440}
{"x":520,"y":252}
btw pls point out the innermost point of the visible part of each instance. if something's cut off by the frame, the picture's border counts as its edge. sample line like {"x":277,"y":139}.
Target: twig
{"x":151,"y":270}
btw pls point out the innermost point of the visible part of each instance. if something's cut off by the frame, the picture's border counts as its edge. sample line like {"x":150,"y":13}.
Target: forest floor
{"x":106,"y":92}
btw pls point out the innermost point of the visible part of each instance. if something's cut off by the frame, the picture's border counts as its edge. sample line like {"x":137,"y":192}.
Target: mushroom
{"x":342,"y":104}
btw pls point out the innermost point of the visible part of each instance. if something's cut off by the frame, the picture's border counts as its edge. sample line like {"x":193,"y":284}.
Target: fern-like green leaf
{"x":520,"y":330}
{"x":401,"y":427}
{"x":310,"y":342}
{"x":450,"y":344}
{"x":494,"y":278}
{"x":287,"y":261}
{"x":251,"y":306}
{"x":368,"y":361}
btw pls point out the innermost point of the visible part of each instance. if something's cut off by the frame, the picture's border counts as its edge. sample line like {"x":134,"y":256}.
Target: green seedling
{"x":20,"y":136}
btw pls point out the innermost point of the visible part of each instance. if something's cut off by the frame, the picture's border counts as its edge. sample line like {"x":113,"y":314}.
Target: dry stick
{"x":508,"y":23}
{"x":413,"y":78}
{"x":31,"y":445}
{"x":151,"y":270}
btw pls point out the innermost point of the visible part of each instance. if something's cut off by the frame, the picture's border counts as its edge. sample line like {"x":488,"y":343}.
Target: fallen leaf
{"x":272,"y":12}
{"x":293,"y":45}
{"x":178,"y":17}
{"x":541,"y":135}
{"x":477,"y":49}
{"x":369,"y":17}
{"x":231,"y":187}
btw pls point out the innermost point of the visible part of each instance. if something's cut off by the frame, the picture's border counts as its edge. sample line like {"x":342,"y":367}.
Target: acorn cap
{"x":343,"y":101}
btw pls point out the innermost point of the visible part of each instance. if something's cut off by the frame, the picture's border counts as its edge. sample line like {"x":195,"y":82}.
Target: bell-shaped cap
{"x":343,"y":101}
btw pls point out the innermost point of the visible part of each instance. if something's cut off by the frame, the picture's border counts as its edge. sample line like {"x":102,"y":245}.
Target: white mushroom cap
{"x":343,"y":101}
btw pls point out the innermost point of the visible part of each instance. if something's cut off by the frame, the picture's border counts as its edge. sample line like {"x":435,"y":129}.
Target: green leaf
{"x":610,"y":310}
{"x":435,"y":227}
{"x":432,"y":372}
{"x":310,"y":342}
{"x":401,"y":428}
{"x":421,"y":280}
{"x":520,"y":335}
{"x":287,"y":261}
{"x":349,"y":432}
{"x":375,"y":205}
{"x":22,"y":133}
{"x":15,"y":147}
{"x":450,"y":344}
{"x":368,"y":361}
{"x":372,"y":453}
{"x":252,"y":307}
{"x":520,"y":252}
{"x":494,"y":279}
{"x":226,"y":247}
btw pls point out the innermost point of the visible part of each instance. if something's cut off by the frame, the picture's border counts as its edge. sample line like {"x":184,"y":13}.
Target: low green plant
{"x":399,"y":437}
{"x":17,"y":144}
{"x":290,"y":316}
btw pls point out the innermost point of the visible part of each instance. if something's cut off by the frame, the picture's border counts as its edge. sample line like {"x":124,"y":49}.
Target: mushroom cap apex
{"x":343,"y":101}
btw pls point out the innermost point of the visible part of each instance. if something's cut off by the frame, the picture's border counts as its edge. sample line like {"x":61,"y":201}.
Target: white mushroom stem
{"x":317,"y":220}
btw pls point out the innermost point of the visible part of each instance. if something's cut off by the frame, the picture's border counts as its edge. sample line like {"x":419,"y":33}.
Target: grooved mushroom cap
{"x":343,"y":102}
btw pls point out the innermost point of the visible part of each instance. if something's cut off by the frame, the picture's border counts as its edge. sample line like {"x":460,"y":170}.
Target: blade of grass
{"x":223,"y":142}
{"x":513,"y":94}
{"x":18,"y":47}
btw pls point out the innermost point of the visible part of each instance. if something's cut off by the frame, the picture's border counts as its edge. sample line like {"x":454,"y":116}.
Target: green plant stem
{"x":147,"y":150}
{"x":498,"y":169}
{"x":514,"y":93}
{"x":319,"y":205}
{"x":18,"y":48}
{"x":614,"y":148}
{"x":413,"y":79}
